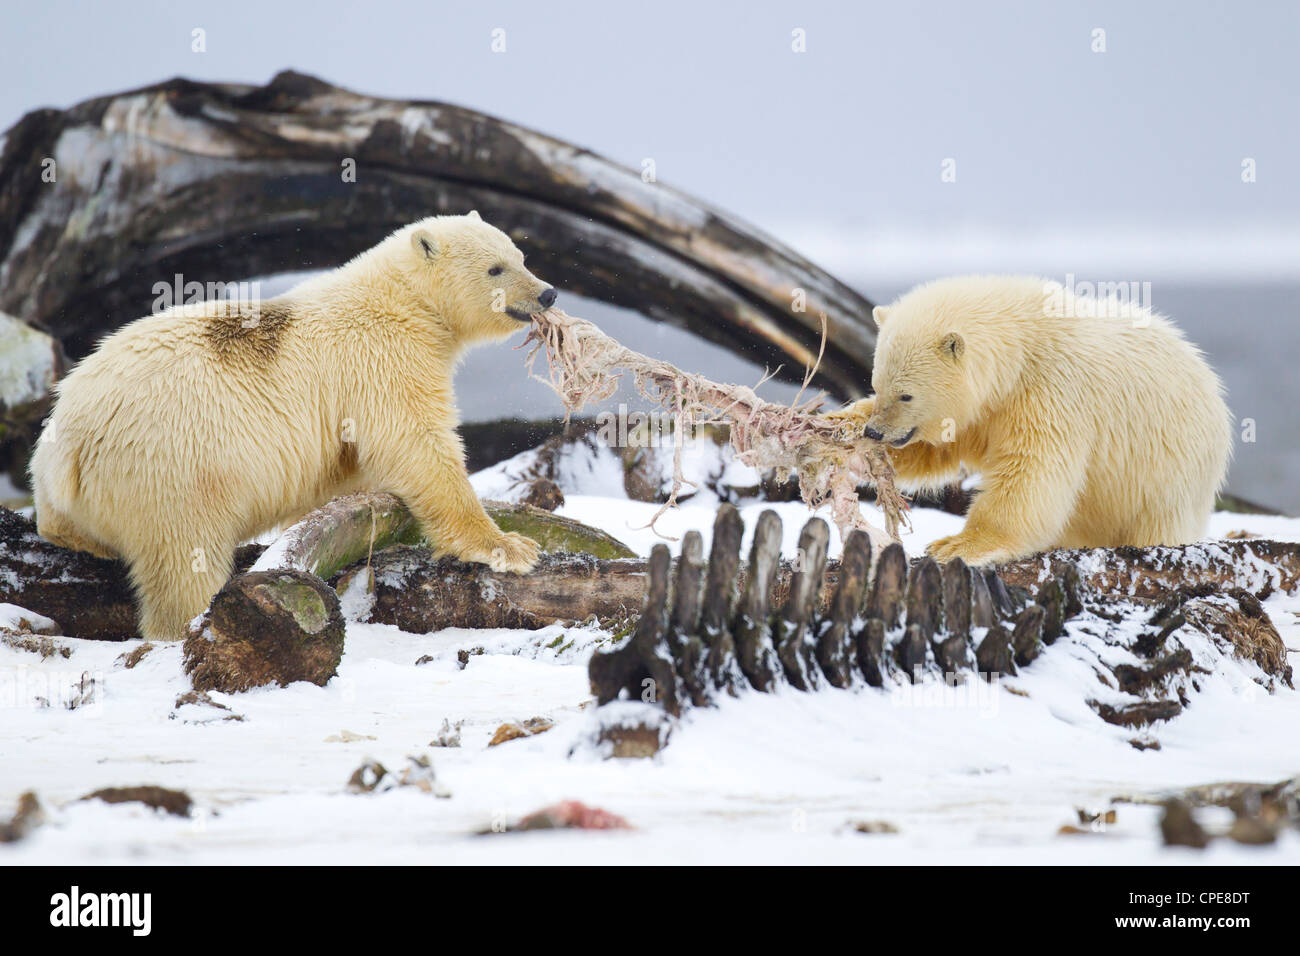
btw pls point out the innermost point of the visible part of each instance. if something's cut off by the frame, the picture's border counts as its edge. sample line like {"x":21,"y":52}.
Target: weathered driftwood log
{"x":339,"y":533}
{"x":412,"y":589}
{"x":927,"y":620}
{"x":280,"y":623}
{"x":1259,"y":565}
{"x":85,"y":595}
{"x":91,"y":597}
{"x":224,"y":182}
{"x":353,"y":527}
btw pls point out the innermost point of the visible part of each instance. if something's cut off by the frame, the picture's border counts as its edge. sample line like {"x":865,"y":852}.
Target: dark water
{"x":1251,"y":335}
{"x":1248,"y":331}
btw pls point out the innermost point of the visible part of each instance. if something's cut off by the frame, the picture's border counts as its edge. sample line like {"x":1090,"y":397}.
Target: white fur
{"x":1089,"y":429}
{"x":186,"y":433}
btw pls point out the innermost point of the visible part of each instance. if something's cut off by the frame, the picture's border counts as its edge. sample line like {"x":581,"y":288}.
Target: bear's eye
{"x":496,"y":270}
{"x":904,"y":398}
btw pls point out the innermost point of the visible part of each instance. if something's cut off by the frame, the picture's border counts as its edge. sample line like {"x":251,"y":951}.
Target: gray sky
{"x":844,"y":140}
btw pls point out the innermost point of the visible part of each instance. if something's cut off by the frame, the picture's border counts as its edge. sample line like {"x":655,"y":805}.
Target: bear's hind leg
{"x":174,"y":586}
{"x":57,"y":528}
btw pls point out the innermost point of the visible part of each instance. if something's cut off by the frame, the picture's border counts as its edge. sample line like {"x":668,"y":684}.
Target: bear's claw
{"x":969,"y":548}
{"x":513,"y":553}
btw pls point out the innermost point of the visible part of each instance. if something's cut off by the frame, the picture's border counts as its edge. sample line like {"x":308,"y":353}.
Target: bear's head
{"x":945,"y":352}
{"x":473,"y":276}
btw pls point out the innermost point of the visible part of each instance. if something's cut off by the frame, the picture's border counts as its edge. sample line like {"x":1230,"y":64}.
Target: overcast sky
{"x":845,"y":139}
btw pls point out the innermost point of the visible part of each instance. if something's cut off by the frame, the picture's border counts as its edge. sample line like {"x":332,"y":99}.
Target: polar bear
{"x":1093,"y":422}
{"x":188,"y":432}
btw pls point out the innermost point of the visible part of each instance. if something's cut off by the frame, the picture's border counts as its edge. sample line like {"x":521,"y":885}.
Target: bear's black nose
{"x":547,"y":298}
{"x":872,"y":433}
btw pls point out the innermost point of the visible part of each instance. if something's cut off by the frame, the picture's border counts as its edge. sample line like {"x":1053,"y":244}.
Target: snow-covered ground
{"x":966,"y":775}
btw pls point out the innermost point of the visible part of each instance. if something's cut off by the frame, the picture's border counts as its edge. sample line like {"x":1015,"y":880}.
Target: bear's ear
{"x":952,"y":346}
{"x":473,"y":214}
{"x":424,"y":244}
{"x":880,"y":313}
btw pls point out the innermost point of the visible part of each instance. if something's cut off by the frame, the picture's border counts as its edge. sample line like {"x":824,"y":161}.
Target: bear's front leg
{"x":432,"y":481}
{"x":1024,"y":507}
{"x":454,"y":521}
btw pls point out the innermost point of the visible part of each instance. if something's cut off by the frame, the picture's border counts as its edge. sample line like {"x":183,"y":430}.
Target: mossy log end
{"x":266,"y":627}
